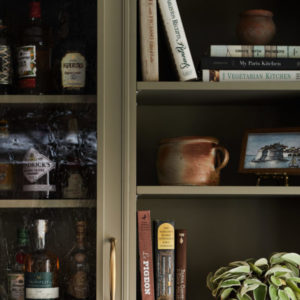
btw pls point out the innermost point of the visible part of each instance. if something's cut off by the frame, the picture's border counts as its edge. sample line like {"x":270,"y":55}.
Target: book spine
{"x":177,"y":40}
{"x":250,"y":75}
{"x":145,"y":255}
{"x":255,"y":51}
{"x":249,"y":63}
{"x":164,"y":233}
{"x":149,"y":40}
{"x":180,"y":264}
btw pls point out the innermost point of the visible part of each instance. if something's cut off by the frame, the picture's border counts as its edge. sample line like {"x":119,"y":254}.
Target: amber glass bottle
{"x":33,"y":55}
{"x":41,"y":267}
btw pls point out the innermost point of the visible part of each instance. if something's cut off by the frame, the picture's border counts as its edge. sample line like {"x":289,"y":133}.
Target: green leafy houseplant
{"x":273,"y":279}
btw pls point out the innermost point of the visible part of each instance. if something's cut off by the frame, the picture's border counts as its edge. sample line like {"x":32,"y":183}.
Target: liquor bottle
{"x":39,"y":164}
{"x":33,"y":55}
{"x":78,"y":267}
{"x":6,"y":68}
{"x":41,"y":267}
{"x":70,"y":54}
{"x":16,"y":275}
{"x":73,"y":183}
{"x":6,"y":166}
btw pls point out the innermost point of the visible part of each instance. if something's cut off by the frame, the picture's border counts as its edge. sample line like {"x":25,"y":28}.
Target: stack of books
{"x":251,"y":63}
{"x":161,"y":262}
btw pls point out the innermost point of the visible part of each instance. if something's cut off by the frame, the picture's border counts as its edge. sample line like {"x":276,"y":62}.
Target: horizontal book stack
{"x":161,"y":262}
{"x":251,"y":63}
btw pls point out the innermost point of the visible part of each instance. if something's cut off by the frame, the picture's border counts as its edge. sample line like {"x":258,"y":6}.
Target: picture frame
{"x":271,"y":151}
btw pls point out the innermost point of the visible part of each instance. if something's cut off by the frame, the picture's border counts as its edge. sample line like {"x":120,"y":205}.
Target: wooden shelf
{"x":47,"y":99}
{"x":55,"y":203}
{"x":205,"y":191}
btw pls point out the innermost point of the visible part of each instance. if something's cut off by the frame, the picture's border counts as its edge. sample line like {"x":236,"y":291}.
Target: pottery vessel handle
{"x":225,"y":155}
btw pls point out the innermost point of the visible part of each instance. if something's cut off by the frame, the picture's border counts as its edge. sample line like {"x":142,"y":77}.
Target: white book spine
{"x":177,"y":40}
{"x":148,"y":40}
{"x":250,"y":75}
{"x":255,"y":51}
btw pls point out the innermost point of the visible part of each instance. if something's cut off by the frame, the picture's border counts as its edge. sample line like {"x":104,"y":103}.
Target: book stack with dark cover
{"x":251,"y":63}
{"x":162,"y":263}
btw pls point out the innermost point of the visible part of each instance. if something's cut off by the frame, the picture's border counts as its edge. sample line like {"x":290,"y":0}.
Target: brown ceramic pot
{"x":190,"y":160}
{"x":256,"y":27}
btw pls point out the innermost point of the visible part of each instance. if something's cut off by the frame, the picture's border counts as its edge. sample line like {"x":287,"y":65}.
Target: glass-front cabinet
{"x":60,"y":141}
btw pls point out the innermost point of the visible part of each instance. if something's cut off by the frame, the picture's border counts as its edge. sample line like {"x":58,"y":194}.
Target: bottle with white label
{"x":41,"y":268}
{"x":39,"y":165}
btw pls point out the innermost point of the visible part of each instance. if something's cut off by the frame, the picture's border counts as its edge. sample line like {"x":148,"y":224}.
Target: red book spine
{"x":180,"y":264}
{"x":145,"y":254}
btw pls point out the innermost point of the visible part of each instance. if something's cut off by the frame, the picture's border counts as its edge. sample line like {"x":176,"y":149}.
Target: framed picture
{"x":271,"y":151}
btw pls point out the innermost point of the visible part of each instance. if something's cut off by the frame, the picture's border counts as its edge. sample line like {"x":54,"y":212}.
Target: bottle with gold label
{"x":33,"y":54}
{"x":6,"y":162}
{"x":6,"y":68}
{"x":77,"y":277}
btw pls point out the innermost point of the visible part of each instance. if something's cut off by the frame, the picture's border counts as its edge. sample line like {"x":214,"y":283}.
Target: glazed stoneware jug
{"x":190,"y":160}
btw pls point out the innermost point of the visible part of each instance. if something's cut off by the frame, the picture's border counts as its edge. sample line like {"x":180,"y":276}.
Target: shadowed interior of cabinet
{"x":223,"y":230}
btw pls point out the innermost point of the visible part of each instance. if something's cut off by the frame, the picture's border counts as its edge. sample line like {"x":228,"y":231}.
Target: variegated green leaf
{"x":282,"y":295}
{"x":247,"y":288}
{"x":261,"y":262}
{"x":238,"y":263}
{"x":292,"y":258}
{"x":225,"y":293}
{"x":278,"y":268}
{"x":221,"y":271}
{"x":277,"y":258}
{"x":229,"y":283}
{"x":290,"y":293}
{"x":277,"y":281}
{"x":240,"y":269}
{"x":253,"y":281}
{"x":244,"y":297}
{"x":293,"y":285}
{"x":209,"y":282}
{"x":273,"y":292}
{"x":294,"y":268}
{"x":260,"y":293}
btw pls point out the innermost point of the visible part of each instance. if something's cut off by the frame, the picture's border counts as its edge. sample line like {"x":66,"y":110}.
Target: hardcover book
{"x":148,"y":40}
{"x":164,"y":241}
{"x":177,"y":40}
{"x":255,"y":51}
{"x":248,"y":63}
{"x":250,"y":75}
{"x":145,"y":255}
{"x":180,"y":264}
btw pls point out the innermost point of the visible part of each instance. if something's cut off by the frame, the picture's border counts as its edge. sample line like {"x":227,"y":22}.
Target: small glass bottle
{"x":6,"y":165}
{"x":6,"y":68}
{"x":41,"y":267}
{"x":16,"y":275}
{"x":78,"y":267}
{"x":33,"y":55}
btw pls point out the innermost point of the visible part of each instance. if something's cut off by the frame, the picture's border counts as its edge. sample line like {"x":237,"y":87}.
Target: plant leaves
{"x":261,"y":262}
{"x":260,"y":293}
{"x":277,"y":258}
{"x":292,"y":284}
{"x":225,"y":294}
{"x":209,"y":281}
{"x":277,"y":281}
{"x":278,"y":268}
{"x":229,"y":283}
{"x":282,"y":295}
{"x":292,"y":258}
{"x":240,"y":269}
{"x":290,"y":293}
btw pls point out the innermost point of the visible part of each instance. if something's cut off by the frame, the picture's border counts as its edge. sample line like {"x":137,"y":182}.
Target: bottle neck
{"x":40,"y":242}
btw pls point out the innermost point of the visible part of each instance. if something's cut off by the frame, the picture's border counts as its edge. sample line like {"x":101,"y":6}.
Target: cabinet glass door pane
{"x":48,"y":149}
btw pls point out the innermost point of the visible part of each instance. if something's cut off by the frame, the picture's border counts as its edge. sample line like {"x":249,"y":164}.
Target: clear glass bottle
{"x":6,"y":68}
{"x":41,"y":267}
{"x":16,"y":275}
{"x":33,"y":54}
{"x":78,"y":277}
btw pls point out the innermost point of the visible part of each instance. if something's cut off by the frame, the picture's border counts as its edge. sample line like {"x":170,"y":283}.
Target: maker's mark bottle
{"x":41,"y":268}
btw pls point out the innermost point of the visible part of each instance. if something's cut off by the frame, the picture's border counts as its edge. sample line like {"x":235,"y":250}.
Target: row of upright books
{"x":224,"y":62}
{"x":162,"y":262}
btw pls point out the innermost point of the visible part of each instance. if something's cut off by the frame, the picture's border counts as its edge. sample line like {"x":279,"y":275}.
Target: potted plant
{"x":273,"y":279}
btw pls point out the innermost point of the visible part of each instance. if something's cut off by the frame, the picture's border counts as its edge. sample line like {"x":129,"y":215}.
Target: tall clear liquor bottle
{"x":33,"y":55}
{"x":41,"y":268}
{"x":6,"y":68}
{"x":78,"y":267}
{"x":16,"y":275}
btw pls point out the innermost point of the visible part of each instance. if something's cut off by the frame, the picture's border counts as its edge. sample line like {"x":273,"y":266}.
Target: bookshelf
{"x":237,"y":219}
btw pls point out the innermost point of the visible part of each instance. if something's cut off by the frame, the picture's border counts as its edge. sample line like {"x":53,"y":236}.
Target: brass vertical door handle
{"x":112,"y":268}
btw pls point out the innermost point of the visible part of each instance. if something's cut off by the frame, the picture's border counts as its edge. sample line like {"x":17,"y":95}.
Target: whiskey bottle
{"x":41,"y":267}
{"x":16,"y":275}
{"x":73,"y":183}
{"x":6,"y":68}
{"x":78,"y":267}
{"x":6,"y":166}
{"x":33,"y":55}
